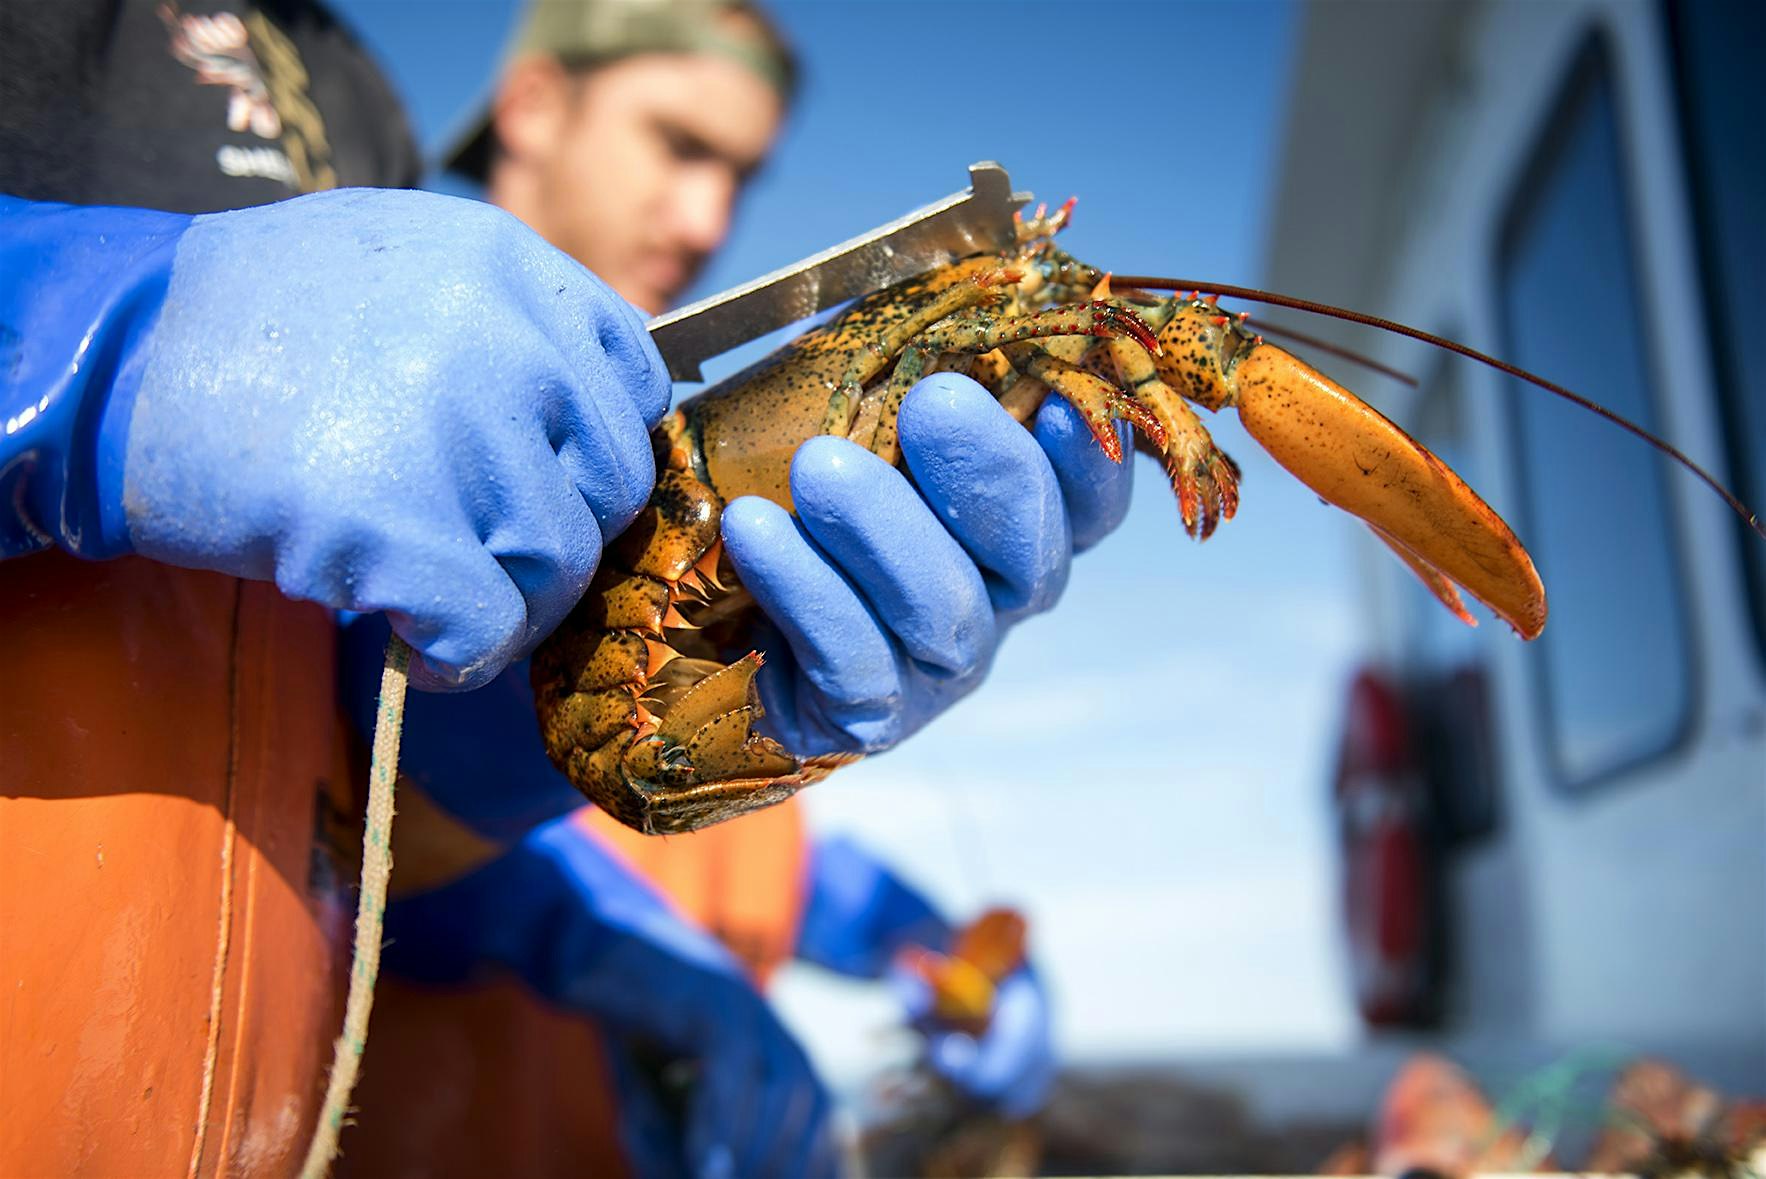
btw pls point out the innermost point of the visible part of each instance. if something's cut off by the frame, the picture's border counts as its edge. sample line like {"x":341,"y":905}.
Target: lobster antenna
{"x":1260,"y":296}
{"x":1299,"y":337}
{"x":1367,"y":362}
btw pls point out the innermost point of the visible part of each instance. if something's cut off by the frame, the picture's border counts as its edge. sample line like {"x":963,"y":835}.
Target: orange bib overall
{"x":174,"y":822}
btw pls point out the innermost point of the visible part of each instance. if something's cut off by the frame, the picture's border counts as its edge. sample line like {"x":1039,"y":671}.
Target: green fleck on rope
{"x":383,"y":771}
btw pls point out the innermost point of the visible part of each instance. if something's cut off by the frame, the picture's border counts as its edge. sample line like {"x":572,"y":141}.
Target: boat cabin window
{"x":1614,"y":662}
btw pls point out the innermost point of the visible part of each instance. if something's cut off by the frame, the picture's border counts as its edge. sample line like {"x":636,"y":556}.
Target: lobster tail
{"x":663,"y":740}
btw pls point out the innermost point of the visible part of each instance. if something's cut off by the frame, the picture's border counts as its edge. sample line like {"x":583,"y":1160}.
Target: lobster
{"x":637,"y":702}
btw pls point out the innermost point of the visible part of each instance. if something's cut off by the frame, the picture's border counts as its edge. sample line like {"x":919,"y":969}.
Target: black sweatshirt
{"x":191,"y":105}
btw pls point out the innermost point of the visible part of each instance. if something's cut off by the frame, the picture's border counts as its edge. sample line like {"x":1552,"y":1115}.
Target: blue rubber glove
{"x":1011,"y":1066}
{"x":574,"y":925}
{"x":889,"y":601}
{"x":380,"y":400}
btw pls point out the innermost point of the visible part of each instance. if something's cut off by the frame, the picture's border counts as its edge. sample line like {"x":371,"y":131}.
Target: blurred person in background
{"x":553,"y":1002}
{"x":228,"y":414}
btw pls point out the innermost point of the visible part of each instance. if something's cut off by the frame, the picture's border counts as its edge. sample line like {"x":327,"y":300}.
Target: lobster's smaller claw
{"x":1114,"y":320}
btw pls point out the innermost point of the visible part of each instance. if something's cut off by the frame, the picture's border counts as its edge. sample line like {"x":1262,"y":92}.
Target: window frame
{"x":1747,"y":478}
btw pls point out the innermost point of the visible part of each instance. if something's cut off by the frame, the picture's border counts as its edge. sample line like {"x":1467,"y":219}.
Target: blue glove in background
{"x":1012,"y":1065}
{"x":891,"y":601}
{"x":858,"y":914}
{"x":380,"y":400}
{"x":574,"y":925}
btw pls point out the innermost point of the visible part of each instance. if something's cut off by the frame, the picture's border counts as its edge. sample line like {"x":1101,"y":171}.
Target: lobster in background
{"x":637,"y":703}
{"x":964,"y":983}
{"x":928,"y":1126}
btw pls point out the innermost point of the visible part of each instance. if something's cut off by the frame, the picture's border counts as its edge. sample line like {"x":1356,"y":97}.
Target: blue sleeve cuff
{"x":477,"y":755}
{"x":83,"y":287}
{"x":859,"y":914}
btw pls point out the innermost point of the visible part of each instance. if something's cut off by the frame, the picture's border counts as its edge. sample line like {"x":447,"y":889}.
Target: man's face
{"x":651,"y":152}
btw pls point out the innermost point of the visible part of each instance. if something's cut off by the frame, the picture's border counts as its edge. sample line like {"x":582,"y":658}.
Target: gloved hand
{"x":1011,"y":1065}
{"x":890,"y":601}
{"x":561,"y":913}
{"x":858,"y":918}
{"x":380,"y":400}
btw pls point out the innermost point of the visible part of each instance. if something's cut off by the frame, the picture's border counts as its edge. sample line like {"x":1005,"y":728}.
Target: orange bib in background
{"x":174,"y":834}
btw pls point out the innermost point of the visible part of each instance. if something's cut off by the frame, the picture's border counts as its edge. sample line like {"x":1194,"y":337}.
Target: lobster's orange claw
{"x":1354,"y":457}
{"x":1444,"y":590}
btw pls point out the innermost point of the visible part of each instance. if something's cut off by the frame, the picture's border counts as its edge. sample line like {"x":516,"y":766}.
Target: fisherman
{"x":228,"y":414}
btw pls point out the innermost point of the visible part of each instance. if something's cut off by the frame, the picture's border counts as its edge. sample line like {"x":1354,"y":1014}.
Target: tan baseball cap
{"x":586,"y":33}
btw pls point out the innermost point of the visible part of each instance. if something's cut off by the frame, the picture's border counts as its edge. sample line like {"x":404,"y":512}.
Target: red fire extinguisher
{"x":1392,"y":872}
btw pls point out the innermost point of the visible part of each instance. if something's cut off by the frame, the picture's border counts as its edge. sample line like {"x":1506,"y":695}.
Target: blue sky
{"x":1146,"y":770}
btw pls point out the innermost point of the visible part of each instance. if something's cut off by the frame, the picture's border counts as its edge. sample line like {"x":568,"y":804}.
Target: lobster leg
{"x":1205,"y":479}
{"x":984,"y":334}
{"x":1120,"y":381}
{"x":907,"y":370}
{"x":942,"y":304}
{"x":1099,"y":402}
{"x":1018,"y":395}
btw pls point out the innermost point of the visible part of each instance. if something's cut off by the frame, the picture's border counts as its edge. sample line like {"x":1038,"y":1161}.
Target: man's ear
{"x":532,"y":106}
